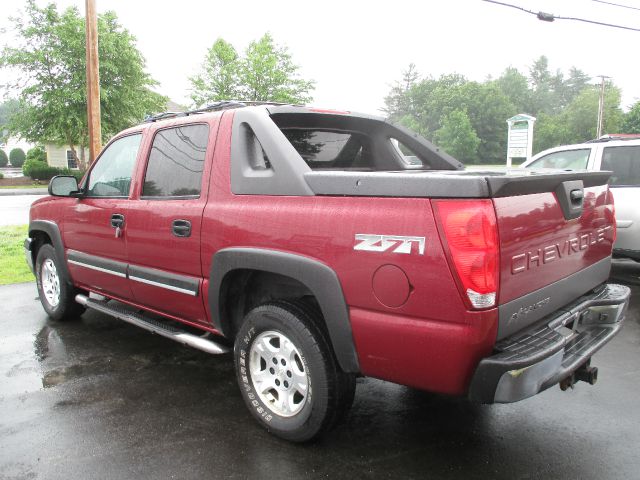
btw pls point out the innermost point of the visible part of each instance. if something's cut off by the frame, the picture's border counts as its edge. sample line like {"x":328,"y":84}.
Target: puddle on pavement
{"x":53,"y":378}
{"x":49,"y":345}
{"x":57,"y":376}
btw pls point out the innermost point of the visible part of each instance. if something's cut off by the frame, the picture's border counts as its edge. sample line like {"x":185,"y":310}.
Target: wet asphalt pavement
{"x":14,"y":209}
{"x":99,"y":399}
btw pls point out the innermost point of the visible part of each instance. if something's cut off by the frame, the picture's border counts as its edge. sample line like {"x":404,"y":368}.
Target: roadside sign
{"x":520,"y":137}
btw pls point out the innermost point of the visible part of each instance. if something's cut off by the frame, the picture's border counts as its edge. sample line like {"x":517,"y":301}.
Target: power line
{"x":598,"y":23}
{"x":511,"y":6}
{"x":617,"y":4}
{"x":549,"y":17}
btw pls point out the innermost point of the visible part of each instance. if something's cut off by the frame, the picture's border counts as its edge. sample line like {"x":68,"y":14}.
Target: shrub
{"x":76,"y":173}
{"x":3,"y":159}
{"x":17,"y":157}
{"x":29,"y":165}
{"x":40,"y":171}
{"x":1,"y":176}
{"x":37,"y":153}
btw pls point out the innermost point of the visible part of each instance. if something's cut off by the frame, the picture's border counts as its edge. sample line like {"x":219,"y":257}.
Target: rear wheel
{"x":56,"y":293}
{"x":287,"y":372}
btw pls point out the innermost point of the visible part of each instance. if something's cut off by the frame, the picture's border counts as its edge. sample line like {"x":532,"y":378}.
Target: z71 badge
{"x":388,"y":243}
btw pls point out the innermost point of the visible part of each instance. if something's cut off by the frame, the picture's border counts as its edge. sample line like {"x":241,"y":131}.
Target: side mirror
{"x":63,"y":186}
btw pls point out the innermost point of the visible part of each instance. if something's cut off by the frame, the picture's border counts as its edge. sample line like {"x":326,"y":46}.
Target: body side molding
{"x":101,"y":264}
{"x":318,"y":277}
{"x":167,"y":280}
{"x":151,"y":276}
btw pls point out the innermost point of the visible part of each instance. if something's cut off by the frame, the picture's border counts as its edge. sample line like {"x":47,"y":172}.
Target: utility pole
{"x":601,"y":106}
{"x":93,"y":81}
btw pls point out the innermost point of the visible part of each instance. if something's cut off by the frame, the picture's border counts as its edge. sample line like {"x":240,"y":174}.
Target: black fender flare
{"x":316,"y":276}
{"x":52,"y":230}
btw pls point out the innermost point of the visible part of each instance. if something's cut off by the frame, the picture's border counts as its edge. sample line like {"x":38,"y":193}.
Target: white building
{"x":61,"y":156}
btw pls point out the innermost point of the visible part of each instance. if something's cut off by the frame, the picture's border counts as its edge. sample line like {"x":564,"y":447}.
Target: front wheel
{"x":288,"y":375}
{"x":56,"y":294}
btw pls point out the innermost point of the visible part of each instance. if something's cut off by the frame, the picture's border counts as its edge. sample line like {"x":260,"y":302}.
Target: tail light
{"x":469,"y":233}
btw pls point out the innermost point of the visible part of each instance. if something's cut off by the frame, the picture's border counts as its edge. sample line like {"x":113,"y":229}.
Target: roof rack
{"x":214,"y":107}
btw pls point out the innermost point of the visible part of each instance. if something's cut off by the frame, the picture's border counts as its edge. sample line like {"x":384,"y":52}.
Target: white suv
{"x":608,"y":153}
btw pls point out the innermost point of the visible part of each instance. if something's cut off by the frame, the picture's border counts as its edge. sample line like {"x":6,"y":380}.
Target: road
{"x":98,"y":398}
{"x":14,"y":209}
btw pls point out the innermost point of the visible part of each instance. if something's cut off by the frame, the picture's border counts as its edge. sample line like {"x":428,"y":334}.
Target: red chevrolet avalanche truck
{"x":324,"y":245}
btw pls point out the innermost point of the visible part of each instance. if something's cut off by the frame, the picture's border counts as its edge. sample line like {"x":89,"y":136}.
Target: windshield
{"x":565,"y":159}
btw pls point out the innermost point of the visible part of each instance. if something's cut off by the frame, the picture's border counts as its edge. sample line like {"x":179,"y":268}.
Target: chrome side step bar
{"x":154,"y":326}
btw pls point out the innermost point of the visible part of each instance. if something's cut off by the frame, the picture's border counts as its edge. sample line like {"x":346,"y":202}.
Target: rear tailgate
{"x":548,"y":258}
{"x":555,"y":229}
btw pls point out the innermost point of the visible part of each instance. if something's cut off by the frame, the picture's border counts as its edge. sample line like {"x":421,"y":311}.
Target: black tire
{"x":329,"y":392}
{"x":347,"y":389}
{"x":66,"y":307}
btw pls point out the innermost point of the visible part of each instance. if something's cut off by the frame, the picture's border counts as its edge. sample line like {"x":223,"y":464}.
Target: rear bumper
{"x":626,"y":253}
{"x":532,"y":361}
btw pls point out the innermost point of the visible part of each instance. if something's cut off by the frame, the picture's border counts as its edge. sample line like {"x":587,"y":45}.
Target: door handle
{"x":117,"y":220}
{"x":181,"y":228}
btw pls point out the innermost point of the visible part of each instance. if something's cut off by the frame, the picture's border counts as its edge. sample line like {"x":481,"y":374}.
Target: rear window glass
{"x":625,"y":164}
{"x":566,"y":159}
{"x":330,"y":149}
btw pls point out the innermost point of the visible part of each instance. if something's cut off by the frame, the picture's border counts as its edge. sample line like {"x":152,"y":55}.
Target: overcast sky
{"x":355,"y":50}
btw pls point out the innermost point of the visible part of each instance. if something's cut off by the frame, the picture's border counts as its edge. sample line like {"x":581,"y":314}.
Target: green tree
{"x":578,"y":122}
{"x":540,"y":80}
{"x":488,"y":109}
{"x":514,"y":85}
{"x":220,"y":75}
{"x":38,"y":154}
{"x":4,"y":160}
{"x":6,"y":110}
{"x":269,"y":74}
{"x":50,"y":54}
{"x":428,"y":102}
{"x":631,"y":122}
{"x":397,"y":101}
{"x":565,"y":107}
{"x":549,"y":131}
{"x":457,"y":137}
{"x":574,"y":84}
{"x":266,"y":72}
{"x":582,"y":114}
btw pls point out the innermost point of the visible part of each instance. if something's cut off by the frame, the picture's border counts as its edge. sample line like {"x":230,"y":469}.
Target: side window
{"x":176,"y":162}
{"x":625,"y":164}
{"x":567,"y":159}
{"x":408,"y":156}
{"x":258,"y":159}
{"x":111,"y":175}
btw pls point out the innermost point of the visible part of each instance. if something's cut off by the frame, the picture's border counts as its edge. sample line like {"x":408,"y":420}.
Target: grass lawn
{"x":13,"y":266}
